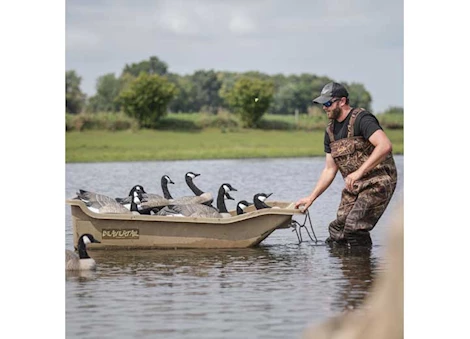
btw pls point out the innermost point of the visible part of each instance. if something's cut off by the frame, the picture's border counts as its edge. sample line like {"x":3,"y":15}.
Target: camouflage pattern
{"x":360,"y":208}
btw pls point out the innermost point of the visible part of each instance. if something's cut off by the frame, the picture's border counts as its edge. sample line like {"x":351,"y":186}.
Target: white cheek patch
{"x":93,"y":209}
{"x":86,"y":240}
{"x":262,"y":198}
{"x":191,"y":175}
{"x":226,"y":189}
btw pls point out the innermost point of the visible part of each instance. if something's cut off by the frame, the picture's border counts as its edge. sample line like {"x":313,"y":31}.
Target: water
{"x":272,"y":291}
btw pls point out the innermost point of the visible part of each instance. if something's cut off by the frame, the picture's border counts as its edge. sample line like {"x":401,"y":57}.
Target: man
{"x":356,"y":145}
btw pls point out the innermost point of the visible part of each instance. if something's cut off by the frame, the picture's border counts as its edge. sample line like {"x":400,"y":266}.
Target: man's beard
{"x":335,"y":113}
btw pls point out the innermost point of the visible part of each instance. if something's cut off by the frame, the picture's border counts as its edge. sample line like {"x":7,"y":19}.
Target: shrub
{"x":146,"y":98}
{"x":99,"y":121}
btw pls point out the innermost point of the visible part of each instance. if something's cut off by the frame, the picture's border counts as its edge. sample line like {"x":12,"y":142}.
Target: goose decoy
{"x":100,"y":203}
{"x":242,"y":205}
{"x":202,"y":210}
{"x":202,"y":197}
{"x":82,"y":260}
{"x":152,"y":203}
{"x":259,"y":199}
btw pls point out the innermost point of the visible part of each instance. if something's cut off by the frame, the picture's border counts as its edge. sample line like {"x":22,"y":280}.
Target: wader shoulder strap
{"x":354,"y":115}
{"x":329,"y":130}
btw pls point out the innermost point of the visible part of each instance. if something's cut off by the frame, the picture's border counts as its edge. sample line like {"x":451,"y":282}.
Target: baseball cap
{"x":331,"y":90}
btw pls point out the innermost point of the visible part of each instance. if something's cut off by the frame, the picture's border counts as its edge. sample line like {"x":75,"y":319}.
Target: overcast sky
{"x":353,"y":41}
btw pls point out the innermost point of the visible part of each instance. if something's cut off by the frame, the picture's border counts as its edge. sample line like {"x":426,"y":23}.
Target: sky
{"x":352,"y":41}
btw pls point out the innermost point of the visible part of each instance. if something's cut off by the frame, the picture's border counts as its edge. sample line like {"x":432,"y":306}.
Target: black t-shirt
{"x":365,"y":125}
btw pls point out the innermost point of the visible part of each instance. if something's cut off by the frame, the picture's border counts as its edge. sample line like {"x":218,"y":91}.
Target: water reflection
{"x":358,"y":268}
{"x":80,"y":275}
{"x":190,"y":262}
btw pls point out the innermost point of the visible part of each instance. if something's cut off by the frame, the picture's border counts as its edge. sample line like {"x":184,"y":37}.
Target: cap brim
{"x":321,"y":99}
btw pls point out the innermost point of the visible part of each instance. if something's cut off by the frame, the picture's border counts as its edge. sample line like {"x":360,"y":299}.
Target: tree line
{"x":147,"y":91}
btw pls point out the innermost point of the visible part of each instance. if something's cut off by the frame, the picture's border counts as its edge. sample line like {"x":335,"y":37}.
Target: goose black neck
{"x":193,"y":187}
{"x":221,"y":201}
{"x":82,"y":253}
{"x":166,"y":192}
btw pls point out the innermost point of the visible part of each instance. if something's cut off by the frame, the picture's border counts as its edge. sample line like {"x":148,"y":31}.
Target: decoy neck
{"x":165,"y":181}
{"x":222,"y":194}
{"x":136,"y":199}
{"x":84,"y":240}
{"x":188,"y":177}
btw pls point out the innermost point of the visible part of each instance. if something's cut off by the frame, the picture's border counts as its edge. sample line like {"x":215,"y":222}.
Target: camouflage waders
{"x":361,"y":208}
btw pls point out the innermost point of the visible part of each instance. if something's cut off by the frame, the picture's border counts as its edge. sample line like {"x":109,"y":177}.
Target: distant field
{"x":141,"y":145}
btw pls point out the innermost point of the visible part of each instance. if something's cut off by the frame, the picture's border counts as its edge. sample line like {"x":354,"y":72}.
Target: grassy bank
{"x":141,"y":145}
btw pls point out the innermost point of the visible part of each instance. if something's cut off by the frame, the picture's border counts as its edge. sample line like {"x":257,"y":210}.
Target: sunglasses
{"x":330,"y":102}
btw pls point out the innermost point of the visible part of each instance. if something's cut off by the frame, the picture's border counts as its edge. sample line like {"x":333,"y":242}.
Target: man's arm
{"x":383,"y":146}
{"x":325,"y":180}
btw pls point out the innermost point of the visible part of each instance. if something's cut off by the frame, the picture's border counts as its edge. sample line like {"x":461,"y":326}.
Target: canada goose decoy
{"x":242,"y":205}
{"x":82,"y":260}
{"x":259,"y":199}
{"x":205,"y":198}
{"x":100,"y":203}
{"x":202,"y":210}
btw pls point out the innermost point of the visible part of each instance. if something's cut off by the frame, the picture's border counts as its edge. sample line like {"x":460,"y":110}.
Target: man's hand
{"x":305,"y":202}
{"x":351,"y":179}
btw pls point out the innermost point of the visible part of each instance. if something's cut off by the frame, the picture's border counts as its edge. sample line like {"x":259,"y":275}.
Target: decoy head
{"x":228,"y":188}
{"x":191,"y":175}
{"x":242,"y":205}
{"x":262,"y":196}
{"x":167,"y":179}
{"x":139,"y":188}
{"x":87,"y":238}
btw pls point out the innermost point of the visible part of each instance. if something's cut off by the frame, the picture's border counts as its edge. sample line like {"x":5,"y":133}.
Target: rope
{"x":297,"y":227}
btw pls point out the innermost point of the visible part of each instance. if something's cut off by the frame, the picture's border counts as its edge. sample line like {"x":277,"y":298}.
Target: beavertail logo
{"x":120,"y":234}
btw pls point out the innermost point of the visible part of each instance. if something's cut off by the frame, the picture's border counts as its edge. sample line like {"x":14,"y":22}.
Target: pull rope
{"x":297,"y":227}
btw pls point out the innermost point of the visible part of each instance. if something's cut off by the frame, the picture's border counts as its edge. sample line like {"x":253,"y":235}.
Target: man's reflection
{"x":358,"y":268}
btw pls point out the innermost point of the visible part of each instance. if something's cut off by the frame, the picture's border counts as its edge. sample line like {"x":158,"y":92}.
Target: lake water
{"x":272,"y":291}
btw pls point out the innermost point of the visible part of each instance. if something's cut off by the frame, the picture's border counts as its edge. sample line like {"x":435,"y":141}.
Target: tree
{"x":74,"y":98}
{"x":151,"y":66}
{"x":184,"y":100}
{"x":250,"y":98}
{"x":107,"y":91}
{"x":206,"y":86}
{"x":394,"y":110}
{"x":358,"y":96}
{"x":146,"y":98}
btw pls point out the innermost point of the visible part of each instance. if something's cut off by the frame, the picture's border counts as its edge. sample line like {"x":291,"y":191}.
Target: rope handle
{"x":297,"y":227}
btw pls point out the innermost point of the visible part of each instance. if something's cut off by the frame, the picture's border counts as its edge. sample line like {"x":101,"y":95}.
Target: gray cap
{"x":331,"y":90}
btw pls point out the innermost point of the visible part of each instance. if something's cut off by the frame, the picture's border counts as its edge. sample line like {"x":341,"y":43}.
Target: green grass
{"x":141,"y":145}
